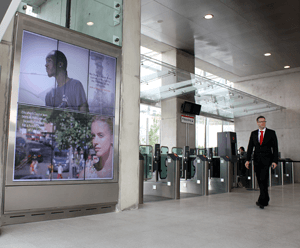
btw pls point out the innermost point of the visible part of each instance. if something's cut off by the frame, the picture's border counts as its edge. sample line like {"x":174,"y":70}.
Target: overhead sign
{"x":188,"y":119}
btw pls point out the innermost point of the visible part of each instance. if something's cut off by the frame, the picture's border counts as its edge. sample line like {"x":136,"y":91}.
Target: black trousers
{"x":262,"y":175}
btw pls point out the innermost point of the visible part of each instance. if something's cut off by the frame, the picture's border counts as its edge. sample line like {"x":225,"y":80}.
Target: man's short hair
{"x":60,"y":57}
{"x":259,"y":118}
{"x":242,"y":148}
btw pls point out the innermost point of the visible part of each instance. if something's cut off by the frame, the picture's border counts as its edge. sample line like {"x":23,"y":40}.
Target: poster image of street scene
{"x":34,"y":142}
{"x":53,"y":73}
{"x":102,"y":83}
{"x":62,"y":145}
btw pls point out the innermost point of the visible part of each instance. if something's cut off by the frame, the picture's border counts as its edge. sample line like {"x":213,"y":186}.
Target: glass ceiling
{"x":160,"y":81}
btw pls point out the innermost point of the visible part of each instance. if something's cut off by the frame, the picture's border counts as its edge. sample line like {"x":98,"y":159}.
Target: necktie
{"x":261,"y":137}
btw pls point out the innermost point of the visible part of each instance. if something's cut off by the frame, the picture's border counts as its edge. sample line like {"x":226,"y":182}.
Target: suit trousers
{"x":262,"y":175}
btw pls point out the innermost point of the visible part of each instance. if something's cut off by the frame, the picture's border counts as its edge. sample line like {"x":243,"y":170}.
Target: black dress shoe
{"x":261,"y":206}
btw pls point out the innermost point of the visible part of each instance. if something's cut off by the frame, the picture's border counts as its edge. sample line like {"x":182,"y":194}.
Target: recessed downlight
{"x":208,"y":16}
{"x":267,"y":54}
{"x":90,"y":23}
{"x":287,"y":67}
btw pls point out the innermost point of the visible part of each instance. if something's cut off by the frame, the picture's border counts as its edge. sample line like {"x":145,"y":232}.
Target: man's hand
{"x":274,"y":165}
{"x":247,"y":164}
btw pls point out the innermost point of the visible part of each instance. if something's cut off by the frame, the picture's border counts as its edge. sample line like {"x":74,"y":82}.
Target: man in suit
{"x":264,"y":141}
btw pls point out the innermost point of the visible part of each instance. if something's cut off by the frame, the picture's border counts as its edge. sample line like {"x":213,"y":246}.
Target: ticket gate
{"x":246,"y":176}
{"x":287,"y":172}
{"x":275,"y":175}
{"x":164,"y":181}
{"x":283,"y":173}
{"x":220,"y":175}
{"x":193,"y":169}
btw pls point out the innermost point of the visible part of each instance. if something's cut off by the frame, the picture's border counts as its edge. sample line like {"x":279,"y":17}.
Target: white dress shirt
{"x":264,"y":130}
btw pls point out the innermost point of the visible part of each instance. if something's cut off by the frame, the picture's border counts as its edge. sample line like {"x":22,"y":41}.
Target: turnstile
{"x":282,"y":174}
{"x":193,"y":169}
{"x":220,"y":175}
{"x":165,"y":181}
{"x":287,"y":172}
{"x":275,"y":175}
{"x":247,"y":176}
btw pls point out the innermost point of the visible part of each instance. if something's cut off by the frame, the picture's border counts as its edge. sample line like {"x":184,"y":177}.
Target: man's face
{"x":50,"y":66}
{"x":261,"y":123}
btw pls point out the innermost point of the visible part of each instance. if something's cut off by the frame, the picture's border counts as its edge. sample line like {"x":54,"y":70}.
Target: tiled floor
{"x":222,"y":220}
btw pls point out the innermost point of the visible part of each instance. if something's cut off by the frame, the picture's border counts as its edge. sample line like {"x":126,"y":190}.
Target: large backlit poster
{"x":65,"y":115}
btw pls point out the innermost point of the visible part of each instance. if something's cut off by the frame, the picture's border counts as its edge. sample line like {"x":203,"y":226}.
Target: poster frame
{"x":37,"y":26}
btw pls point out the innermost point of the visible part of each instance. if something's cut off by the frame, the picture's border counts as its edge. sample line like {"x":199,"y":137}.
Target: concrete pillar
{"x":130,"y":107}
{"x":5,"y":63}
{"x":173,"y":132}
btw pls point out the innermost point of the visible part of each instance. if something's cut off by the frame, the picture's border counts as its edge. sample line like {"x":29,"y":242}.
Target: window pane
{"x":200,"y":131}
{"x":213,"y":127}
{"x":228,"y":126}
{"x":149,"y":125}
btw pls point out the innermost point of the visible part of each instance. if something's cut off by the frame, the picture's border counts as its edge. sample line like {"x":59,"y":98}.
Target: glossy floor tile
{"x":220,"y":220}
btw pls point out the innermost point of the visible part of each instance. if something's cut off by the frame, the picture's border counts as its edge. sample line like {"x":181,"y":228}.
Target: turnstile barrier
{"x":147,"y":152}
{"x":166,"y":182}
{"x":220,"y":180}
{"x":282,"y":174}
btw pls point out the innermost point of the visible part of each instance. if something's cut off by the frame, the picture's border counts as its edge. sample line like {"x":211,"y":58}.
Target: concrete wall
{"x":130,"y":106}
{"x":174,"y":133}
{"x":284,"y":90}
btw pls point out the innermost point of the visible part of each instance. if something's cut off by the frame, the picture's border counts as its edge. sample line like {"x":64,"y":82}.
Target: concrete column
{"x":173,"y":132}
{"x":130,"y":107}
{"x":5,"y":63}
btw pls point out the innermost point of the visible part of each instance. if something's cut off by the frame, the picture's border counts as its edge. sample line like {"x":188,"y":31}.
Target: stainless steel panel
{"x":141,"y":181}
{"x":224,"y":183}
{"x":159,"y":189}
{"x":195,"y":185}
{"x":28,"y":198}
{"x":168,"y":187}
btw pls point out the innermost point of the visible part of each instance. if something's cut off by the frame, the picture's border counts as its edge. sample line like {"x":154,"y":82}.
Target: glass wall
{"x":149,"y":125}
{"x":213,"y":77}
{"x":207,"y":129}
{"x":213,"y":126}
{"x":200,"y":131}
{"x":101,"y":19}
{"x":228,"y":126}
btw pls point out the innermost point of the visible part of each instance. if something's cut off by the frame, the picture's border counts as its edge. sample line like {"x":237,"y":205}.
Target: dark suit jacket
{"x":266,"y":153}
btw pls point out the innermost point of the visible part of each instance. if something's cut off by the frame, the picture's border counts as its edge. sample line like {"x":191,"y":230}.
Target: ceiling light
{"x":267,"y":54}
{"x":209,"y":16}
{"x":90,"y":23}
{"x":287,"y":67}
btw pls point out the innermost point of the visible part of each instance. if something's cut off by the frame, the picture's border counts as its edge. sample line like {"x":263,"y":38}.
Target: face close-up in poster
{"x":65,"y":115}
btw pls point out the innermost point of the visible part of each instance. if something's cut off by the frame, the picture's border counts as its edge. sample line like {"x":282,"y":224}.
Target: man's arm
{"x":249,"y":151}
{"x":275,"y":151}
